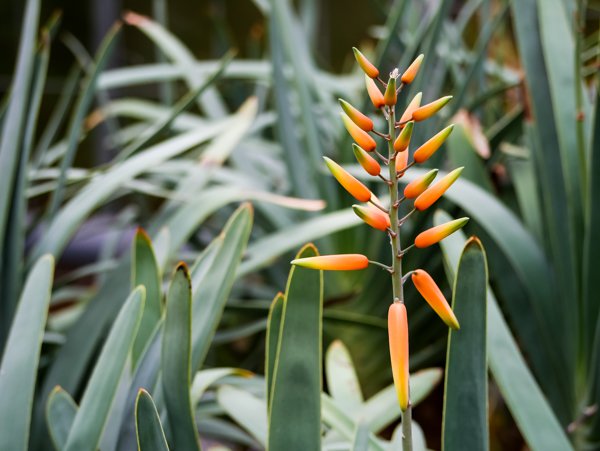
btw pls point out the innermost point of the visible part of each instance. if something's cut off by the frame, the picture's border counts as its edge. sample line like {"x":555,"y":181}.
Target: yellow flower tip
{"x":403,"y":139}
{"x":398,"y":341}
{"x":357,"y":117}
{"x":438,"y":233}
{"x":348,"y":181}
{"x":424,"y":152}
{"x":426,"y":111}
{"x":426,"y":286}
{"x":390,"y":97}
{"x":368,"y":68}
{"x":372,"y":216}
{"x":412,"y":106}
{"x":374,"y":93}
{"x":362,"y":138}
{"x":401,"y":161}
{"x":369,"y":164}
{"x":337,"y":262}
{"x":409,"y":74}
{"x":434,"y":192}
{"x":416,"y":187}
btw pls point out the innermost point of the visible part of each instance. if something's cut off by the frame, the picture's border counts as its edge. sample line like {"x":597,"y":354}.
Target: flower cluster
{"x":422,"y":192}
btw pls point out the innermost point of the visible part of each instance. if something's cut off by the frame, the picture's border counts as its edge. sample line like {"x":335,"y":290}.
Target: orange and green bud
{"x":434,"y":297}
{"x":369,"y":164}
{"x":373,"y":216}
{"x":401,"y":161}
{"x":398,"y":339}
{"x":434,"y":192}
{"x":390,"y":98}
{"x":438,"y":233}
{"x":409,"y":74}
{"x":374,"y":93}
{"x":357,"y":117}
{"x":430,"y":147}
{"x":426,"y":111}
{"x":362,"y":138}
{"x":416,"y":187}
{"x":403,"y":139}
{"x":348,"y":181}
{"x":339,"y":262}
{"x":412,"y":106}
{"x":368,"y":68}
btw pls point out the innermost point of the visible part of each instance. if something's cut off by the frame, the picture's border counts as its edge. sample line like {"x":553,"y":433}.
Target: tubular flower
{"x":409,"y":74}
{"x":398,"y":338}
{"x":426,"y":111}
{"x":434,"y":192}
{"x":368,"y":163}
{"x":372,"y":216}
{"x":362,"y":138}
{"x":438,"y":233}
{"x":349,"y":182}
{"x":339,"y":262}
{"x":374,"y":93}
{"x":416,"y":187}
{"x":424,"y":152}
{"x":412,"y":106}
{"x":403,"y":139}
{"x":366,"y":65}
{"x":390,"y":98}
{"x":401,"y":162}
{"x":434,"y":297}
{"x":357,"y":117}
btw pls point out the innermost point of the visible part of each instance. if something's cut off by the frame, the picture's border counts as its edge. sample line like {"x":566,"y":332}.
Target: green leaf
{"x":60,"y":413}
{"x":149,"y":431}
{"x":101,"y":388}
{"x":297,"y":373}
{"x":272,"y":340}
{"x":19,"y":367}
{"x":246,"y":409}
{"x":342,"y":379}
{"x":205,"y":378}
{"x":361,"y":437}
{"x":175,"y":361}
{"x":465,"y":418}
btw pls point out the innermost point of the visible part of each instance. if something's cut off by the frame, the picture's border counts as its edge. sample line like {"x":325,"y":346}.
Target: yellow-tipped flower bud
{"x":369,"y":164}
{"x":372,"y":216}
{"x":432,"y":145}
{"x":412,"y":106}
{"x":357,"y":117}
{"x":348,"y":181}
{"x":390,"y":98}
{"x":374,"y":93}
{"x":438,"y":233}
{"x":409,"y":74}
{"x":416,"y":187}
{"x":401,"y":162}
{"x":434,"y":297}
{"x":398,"y":339}
{"x":366,"y":65}
{"x":339,"y":262}
{"x":426,"y":111}
{"x":403,"y":139}
{"x":434,"y":192}
{"x":362,"y":138}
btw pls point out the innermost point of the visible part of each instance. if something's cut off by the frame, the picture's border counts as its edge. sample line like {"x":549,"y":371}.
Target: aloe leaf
{"x":272,"y":340}
{"x":149,"y":431}
{"x":205,"y":378}
{"x":247,"y":410}
{"x":19,"y":366}
{"x":467,"y":357}
{"x":361,"y":437}
{"x":297,"y":372}
{"x":60,"y":413}
{"x":342,"y":379}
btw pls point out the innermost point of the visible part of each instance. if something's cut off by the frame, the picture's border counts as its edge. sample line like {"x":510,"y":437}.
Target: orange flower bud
{"x":409,"y":74}
{"x":339,"y":262}
{"x":434,"y":297}
{"x":348,"y":181}
{"x":366,"y":65}
{"x":403,"y":139}
{"x":362,"y":138}
{"x":368,"y":163}
{"x":438,"y":233}
{"x":412,"y":106}
{"x":434,"y":192}
{"x":401,"y":161}
{"x":390,"y":96}
{"x":398,"y":339}
{"x":373,"y":216}
{"x":430,"y":147}
{"x":416,"y":187}
{"x":426,"y":111}
{"x":357,"y":117}
{"x":374,"y":93}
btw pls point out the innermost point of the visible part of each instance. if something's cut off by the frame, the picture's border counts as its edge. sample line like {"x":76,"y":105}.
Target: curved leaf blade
{"x":60,"y":413}
{"x":149,"y":431}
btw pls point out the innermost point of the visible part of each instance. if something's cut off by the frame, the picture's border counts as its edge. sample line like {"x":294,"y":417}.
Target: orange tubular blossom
{"x":368,"y":68}
{"x":348,"y":181}
{"x":338,"y":262}
{"x":412,"y":106}
{"x":409,"y":74}
{"x":362,"y":138}
{"x":373,"y":216}
{"x":369,"y":164}
{"x":398,"y":340}
{"x":432,"y":145}
{"x":357,"y":117}
{"x":426,"y":111}
{"x":416,"y":187}
{"x":403,"y":139}
{"x":374,"y":93}
{"x":438,"y":233}
{"x":434,"y":297}
{"x":434,"y":192}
